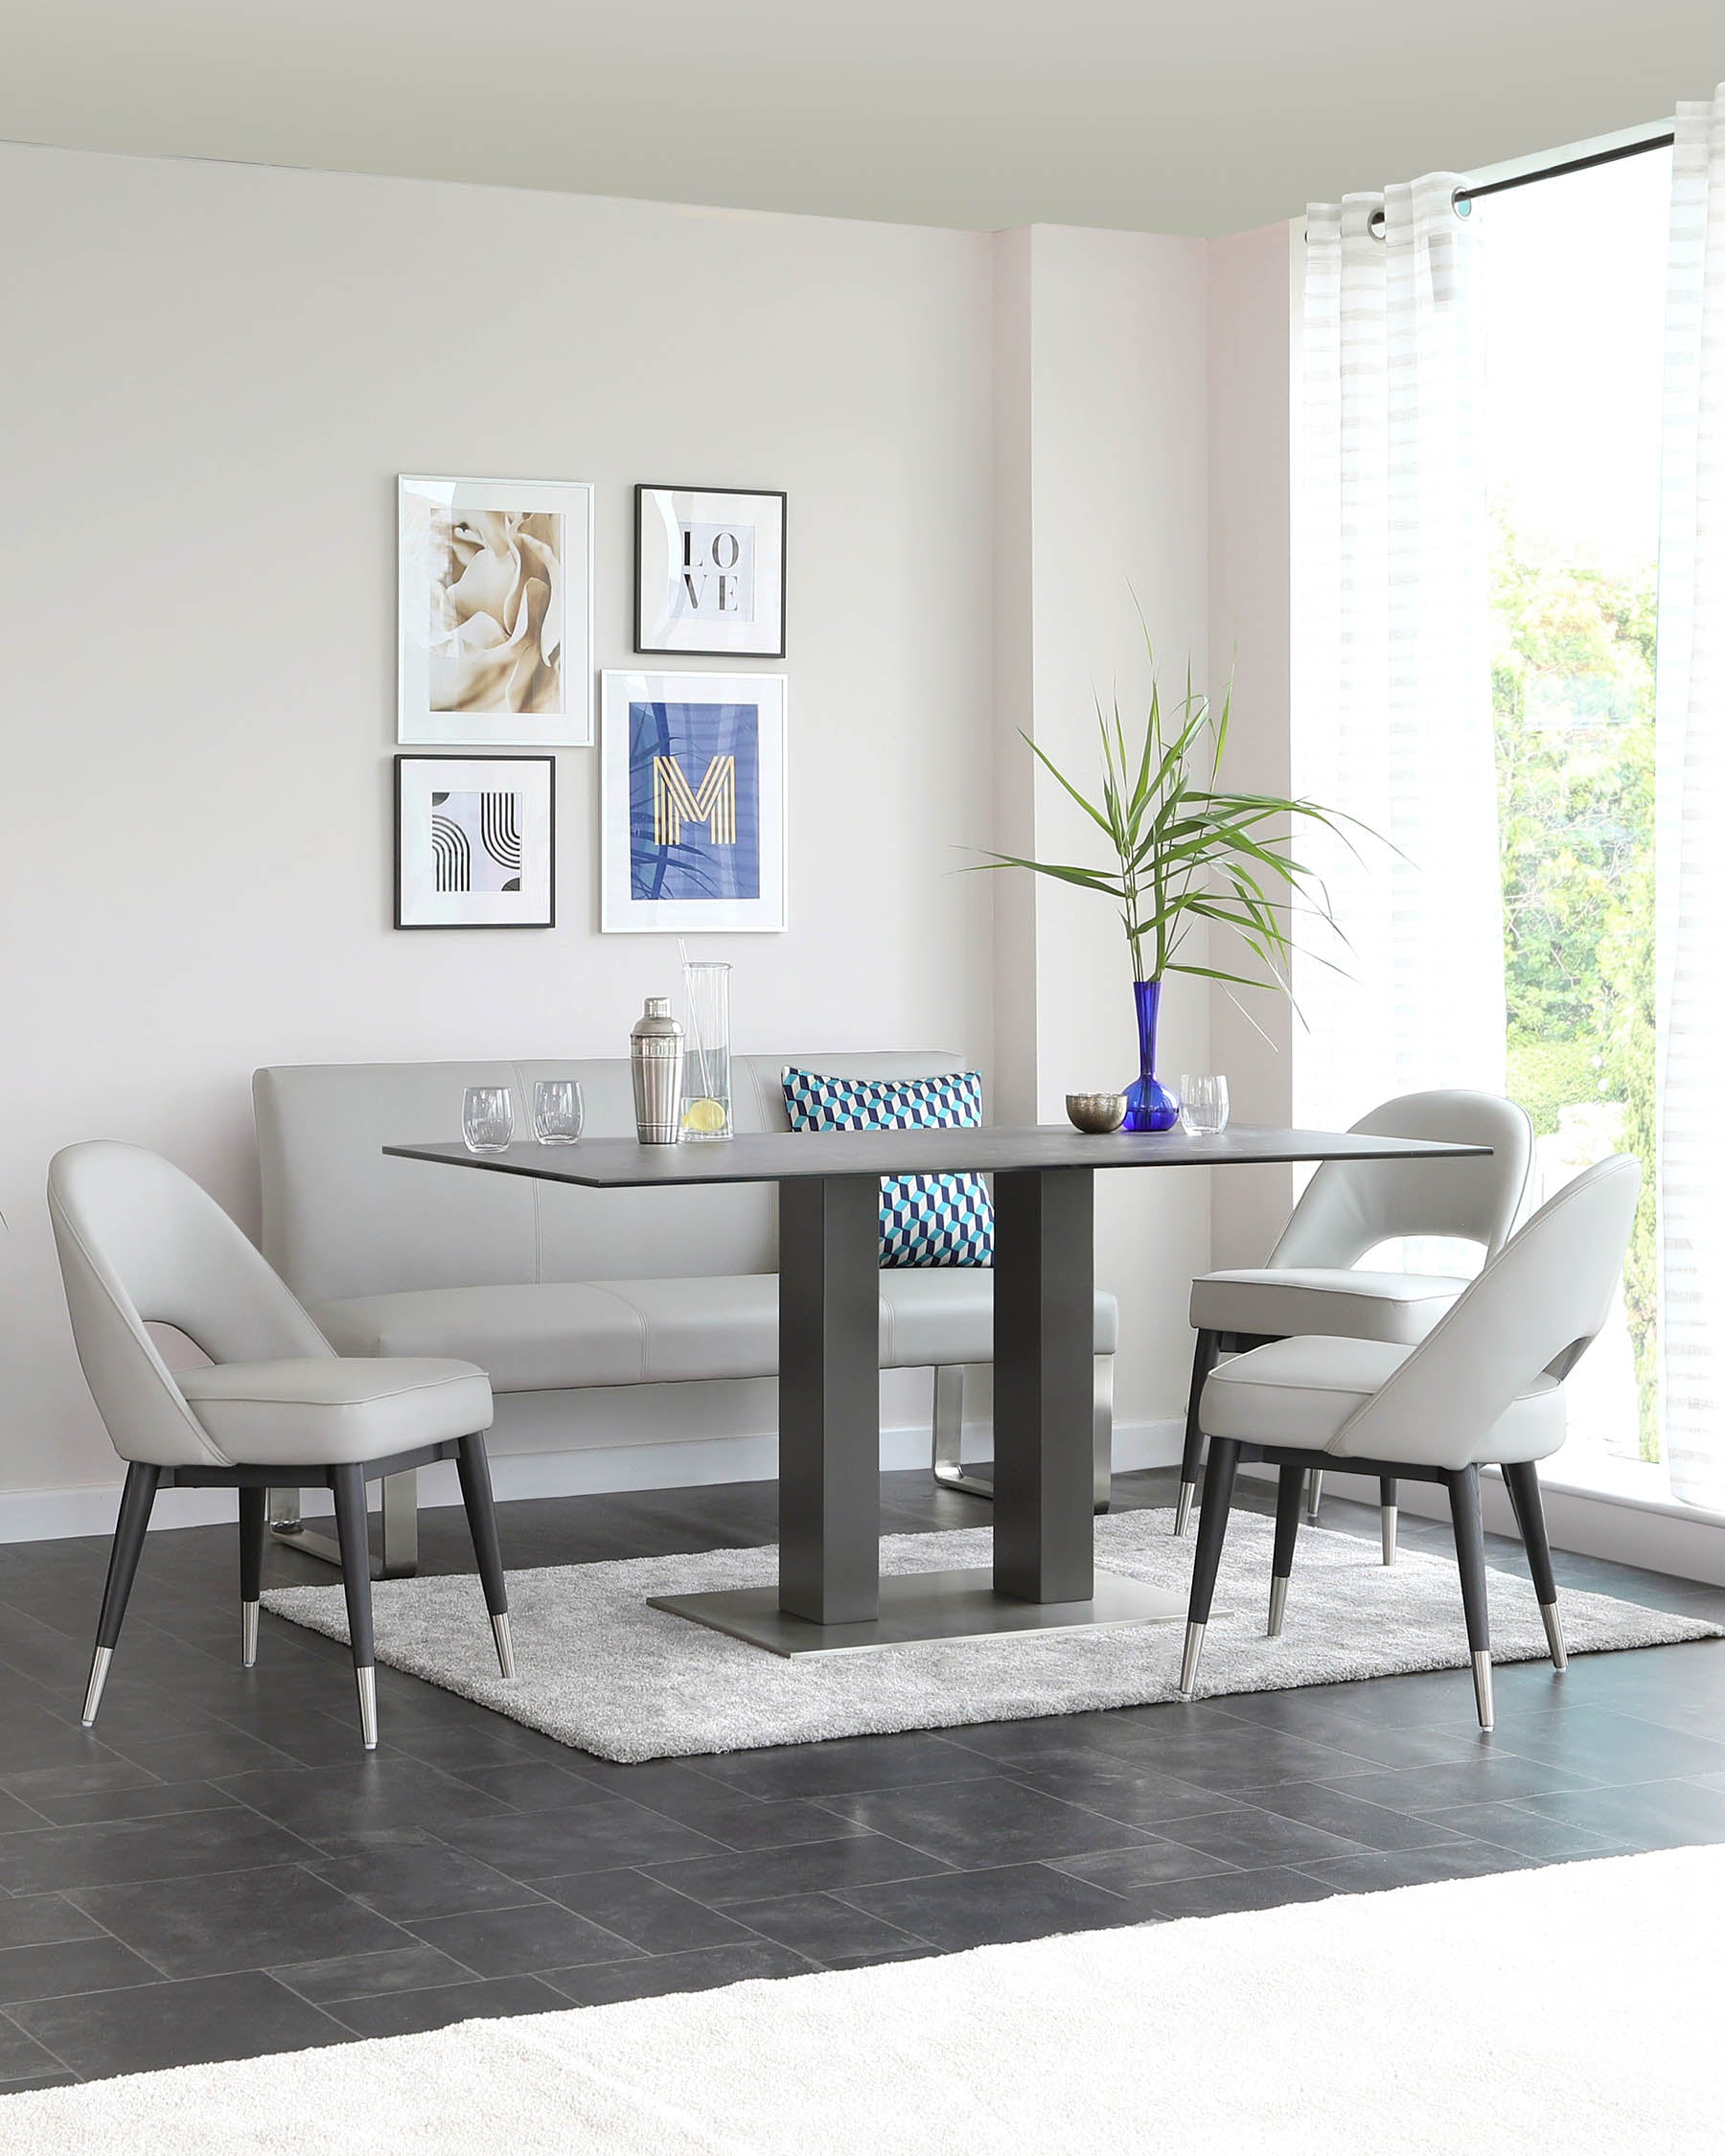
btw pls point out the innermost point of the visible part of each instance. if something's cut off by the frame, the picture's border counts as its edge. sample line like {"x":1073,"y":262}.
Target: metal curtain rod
{"x":1465,"y":196}
{"x":1569,"y":165}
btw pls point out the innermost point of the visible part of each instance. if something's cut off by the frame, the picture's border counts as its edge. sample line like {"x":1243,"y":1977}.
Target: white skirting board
{"x":52,"y":1515}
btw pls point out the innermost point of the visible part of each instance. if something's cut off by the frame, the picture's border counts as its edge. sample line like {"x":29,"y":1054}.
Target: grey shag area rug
{"x":597,"y":1669}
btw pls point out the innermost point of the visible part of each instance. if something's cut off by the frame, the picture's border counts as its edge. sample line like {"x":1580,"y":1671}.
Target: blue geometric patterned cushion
{"x":925,"y":1220}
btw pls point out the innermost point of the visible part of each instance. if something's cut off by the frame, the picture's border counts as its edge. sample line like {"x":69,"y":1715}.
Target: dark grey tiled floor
{"x":221,"y":1872}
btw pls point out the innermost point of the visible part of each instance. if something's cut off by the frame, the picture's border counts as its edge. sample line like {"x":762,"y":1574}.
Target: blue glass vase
{"x":1149,"y":1104}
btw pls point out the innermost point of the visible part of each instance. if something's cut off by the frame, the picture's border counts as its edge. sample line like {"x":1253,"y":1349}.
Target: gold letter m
{"x":674,"y":804}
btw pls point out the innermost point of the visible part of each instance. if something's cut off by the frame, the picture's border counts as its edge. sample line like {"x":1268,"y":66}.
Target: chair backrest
{"x":142,"y":1243}
{"x":342,"y":1219}
{"x":1535,"y":1308}
{"x":1350,"y":1205}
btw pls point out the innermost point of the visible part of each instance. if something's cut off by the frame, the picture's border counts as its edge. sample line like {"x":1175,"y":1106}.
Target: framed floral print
{"x":692,"y":769}
{"x":710,"y":571}
{"x":496,"y":612}
{"x":475,"y":841}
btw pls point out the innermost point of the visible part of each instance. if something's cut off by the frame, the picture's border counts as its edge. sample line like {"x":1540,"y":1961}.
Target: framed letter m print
{"x":694,"y":802}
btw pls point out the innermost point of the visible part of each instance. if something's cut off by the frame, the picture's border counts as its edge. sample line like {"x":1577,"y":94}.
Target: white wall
{"x":214,"y":374}
{"x":1109,"y":336}
{"x":1251,"y":287}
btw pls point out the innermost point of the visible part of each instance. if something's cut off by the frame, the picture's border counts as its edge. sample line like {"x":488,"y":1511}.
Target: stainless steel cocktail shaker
{"x":655,"y":1060}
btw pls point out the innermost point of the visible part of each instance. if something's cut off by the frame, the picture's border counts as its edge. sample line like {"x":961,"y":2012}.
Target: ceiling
{"x":1204,"y":116}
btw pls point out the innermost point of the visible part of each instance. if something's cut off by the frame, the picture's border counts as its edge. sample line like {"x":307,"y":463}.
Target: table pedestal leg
{"x":829,"y":1399}
{"x":1044,"y":1326}
{"x":830,"y":1598}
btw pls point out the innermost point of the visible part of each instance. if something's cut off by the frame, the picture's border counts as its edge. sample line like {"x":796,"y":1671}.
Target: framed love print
{"x":496,"y":612}
{"x":692,"y":771}
{"x":710,"y":571}
{"x":475,"y":841}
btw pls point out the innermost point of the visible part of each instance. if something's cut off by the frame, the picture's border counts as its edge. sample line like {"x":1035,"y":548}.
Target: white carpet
{"x":596,"y":1668}
{"x":1569,"y":2012}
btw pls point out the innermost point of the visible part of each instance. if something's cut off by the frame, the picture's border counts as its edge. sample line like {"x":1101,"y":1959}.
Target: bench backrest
{"x":342,"y":1219}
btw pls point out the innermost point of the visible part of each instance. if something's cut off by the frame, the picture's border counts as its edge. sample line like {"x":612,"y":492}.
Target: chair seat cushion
{"x":546,"y":1336}
{"x":1279,"y":1302}
{"x":1303,"y":1392}
{"x":327,"y":1411}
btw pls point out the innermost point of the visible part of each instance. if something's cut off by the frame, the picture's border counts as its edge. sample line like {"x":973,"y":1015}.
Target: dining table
{"x":830,"y":1595}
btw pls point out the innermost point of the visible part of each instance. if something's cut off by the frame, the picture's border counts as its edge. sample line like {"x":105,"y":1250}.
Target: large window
{"x":1574,"y":333}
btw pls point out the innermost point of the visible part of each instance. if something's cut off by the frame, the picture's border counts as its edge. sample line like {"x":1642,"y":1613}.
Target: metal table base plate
{"x":919,"y":1605}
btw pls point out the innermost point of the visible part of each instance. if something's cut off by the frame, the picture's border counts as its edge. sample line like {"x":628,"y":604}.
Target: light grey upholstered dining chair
{"x":1313,"y":1283}
{"x":139,"y":1244}
{"x":1484,"y":1388}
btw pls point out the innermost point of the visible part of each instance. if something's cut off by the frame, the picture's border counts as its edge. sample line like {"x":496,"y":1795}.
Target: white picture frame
{"x":710,"y":572}
{"x":495,"y":613}
{"x":693,"y":799}
{"x":467,"y":828}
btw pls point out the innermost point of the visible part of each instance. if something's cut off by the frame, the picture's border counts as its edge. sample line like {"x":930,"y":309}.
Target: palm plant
{"x":1186,"y":850}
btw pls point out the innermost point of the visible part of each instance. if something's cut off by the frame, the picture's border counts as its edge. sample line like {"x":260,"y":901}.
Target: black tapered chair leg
{"x":253,"y":1509}
{"x":1290,"y":1484}
{"x":1470,"y":1562}
{"x":348,"y":1484}
{"x":1523,"y":1480}
{"x":1206,"y":1352}
{"x":474,"y":1471}
{"x":1387,"y":1515}
{"x":1207,"y":1560}
{"x":136,"y":1499}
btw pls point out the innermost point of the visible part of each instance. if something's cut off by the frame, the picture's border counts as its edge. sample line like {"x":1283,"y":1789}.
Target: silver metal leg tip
{"x":1388,"y":1521}
{"x":1553,"y":1632}
{"x":99,"y":1672}
{"x":505,"y":1643}
{"x":1182,"y":1506}
{"x":1482,"y":1677}
{"x":1189,"y":1660}
{"x":366,"y":1680}
{"x":248,"y":1635}
{"x":1278,"y":1603}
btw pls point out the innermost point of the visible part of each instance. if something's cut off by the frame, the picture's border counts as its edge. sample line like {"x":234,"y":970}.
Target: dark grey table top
{"x":782,"y":1155}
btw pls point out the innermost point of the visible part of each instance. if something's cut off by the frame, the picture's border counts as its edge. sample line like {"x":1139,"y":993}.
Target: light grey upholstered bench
{"x":555,"y":1290}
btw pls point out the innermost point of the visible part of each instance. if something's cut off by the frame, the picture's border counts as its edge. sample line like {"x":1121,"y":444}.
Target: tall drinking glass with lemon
{"x":707,"y":1051}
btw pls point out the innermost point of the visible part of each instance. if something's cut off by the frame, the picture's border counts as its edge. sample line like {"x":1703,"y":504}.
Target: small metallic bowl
{"x":1096,"y":1113}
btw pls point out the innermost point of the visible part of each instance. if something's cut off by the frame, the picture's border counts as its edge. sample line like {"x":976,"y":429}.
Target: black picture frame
{"x":410,"y":756}
{"x":752,"y":653}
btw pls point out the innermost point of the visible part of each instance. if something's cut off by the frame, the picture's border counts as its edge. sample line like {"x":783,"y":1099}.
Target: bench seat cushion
{"x":548,"y":1336}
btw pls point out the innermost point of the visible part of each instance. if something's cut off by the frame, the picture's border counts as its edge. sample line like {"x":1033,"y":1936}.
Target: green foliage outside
{"x":1573,"y":692}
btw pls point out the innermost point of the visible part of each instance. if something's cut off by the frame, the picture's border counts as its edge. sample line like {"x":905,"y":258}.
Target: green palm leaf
{"x":1188,"y":850}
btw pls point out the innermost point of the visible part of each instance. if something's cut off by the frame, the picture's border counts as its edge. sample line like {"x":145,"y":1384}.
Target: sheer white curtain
{"x":1392,"y":718}
{"x":1691,"y":871}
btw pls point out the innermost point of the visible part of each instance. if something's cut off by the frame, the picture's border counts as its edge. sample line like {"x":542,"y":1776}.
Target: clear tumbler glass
{"x":557,"y":1111}
{"x":486,"y":1119}
{"x":1202,"y":1105}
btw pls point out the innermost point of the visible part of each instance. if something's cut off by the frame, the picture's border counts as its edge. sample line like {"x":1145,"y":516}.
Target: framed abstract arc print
{"x":693,"y":811}
{"x":495,"y":614}
{"x":710,"y":571}
{"x":475,"y":841}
